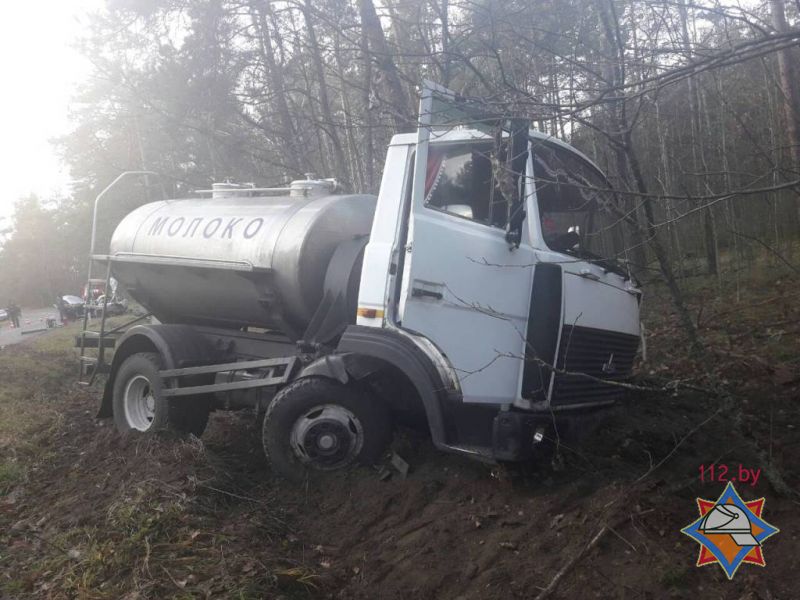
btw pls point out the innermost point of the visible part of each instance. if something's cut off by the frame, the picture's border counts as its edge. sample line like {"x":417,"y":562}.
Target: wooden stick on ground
{"x":551,"y":587}
{"x":545,"y":593}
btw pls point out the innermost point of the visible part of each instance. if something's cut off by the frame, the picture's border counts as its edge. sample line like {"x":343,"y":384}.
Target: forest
{"x":689,"y":107}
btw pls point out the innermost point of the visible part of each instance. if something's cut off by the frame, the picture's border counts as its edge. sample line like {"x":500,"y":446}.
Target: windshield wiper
{"x":609,"y":264}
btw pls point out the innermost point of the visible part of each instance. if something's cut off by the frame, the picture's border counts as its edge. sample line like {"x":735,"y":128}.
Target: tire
{"x":139,"y":407}
{"x":317,"y":425}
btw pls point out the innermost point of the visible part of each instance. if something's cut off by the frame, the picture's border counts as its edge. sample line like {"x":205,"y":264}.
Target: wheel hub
{"x":327,"y":437}
{"x":139,"y":403}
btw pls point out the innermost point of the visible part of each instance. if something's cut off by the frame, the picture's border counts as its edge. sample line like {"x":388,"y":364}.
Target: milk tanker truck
{"x":479,"y":293}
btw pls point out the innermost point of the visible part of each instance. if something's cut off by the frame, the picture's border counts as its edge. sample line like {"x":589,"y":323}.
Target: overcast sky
{"x":39,"y":71}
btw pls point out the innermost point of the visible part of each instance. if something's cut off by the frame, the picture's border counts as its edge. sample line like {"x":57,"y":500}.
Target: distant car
{"x":113,"y":308}
{"x":3,"y":314}
{"x":73,"y":306}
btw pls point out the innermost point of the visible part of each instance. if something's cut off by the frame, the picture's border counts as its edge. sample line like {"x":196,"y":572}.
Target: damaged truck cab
{"x":483,"y":290}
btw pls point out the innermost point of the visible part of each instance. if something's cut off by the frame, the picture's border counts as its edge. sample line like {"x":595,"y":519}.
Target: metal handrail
{"x":119,"y":178}
{"x":92,"y":258}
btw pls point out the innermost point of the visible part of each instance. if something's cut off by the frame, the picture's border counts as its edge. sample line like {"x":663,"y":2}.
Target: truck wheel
{"x":138,"y":405}
{"x":316,"y":424}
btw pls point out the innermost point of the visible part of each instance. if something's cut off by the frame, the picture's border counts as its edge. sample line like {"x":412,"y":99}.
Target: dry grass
{"x":86,"y":513}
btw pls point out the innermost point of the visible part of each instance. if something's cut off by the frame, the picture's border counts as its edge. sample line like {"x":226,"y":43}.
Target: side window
{"x":459,"y":181}
{"x":575,"y":204}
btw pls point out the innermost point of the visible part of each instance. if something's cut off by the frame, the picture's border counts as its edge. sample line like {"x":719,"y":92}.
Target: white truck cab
{"x":438,"y":264}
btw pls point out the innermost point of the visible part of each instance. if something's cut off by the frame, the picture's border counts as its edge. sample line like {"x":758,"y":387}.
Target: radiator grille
{"x":606,"y":355}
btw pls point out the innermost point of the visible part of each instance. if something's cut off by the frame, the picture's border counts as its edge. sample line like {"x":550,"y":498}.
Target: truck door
{"x":464,"y":286}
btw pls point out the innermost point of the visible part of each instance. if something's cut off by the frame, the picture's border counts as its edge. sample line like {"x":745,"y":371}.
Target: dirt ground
{"x":86,"y":513}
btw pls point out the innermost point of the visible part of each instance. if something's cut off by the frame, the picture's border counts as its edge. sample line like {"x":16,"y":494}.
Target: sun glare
{"x":40,"y":68}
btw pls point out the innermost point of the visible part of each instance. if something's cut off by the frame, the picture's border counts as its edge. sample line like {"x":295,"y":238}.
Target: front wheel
{"x":317,"y":425}
{"x":139,"y":406}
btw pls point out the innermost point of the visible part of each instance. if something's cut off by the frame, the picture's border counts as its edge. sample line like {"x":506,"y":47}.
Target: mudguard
{"x":364,"y":350}
{"x":179,"y":346}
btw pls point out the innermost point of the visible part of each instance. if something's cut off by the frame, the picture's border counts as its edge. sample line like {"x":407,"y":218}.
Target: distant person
{"x":14,"y":313}
{"x":61,"y":312}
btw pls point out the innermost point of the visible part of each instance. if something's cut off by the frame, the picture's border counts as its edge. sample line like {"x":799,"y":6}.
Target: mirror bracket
{"x":517,"y":160}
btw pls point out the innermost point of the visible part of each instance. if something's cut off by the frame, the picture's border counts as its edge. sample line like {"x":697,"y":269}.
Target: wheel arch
{"x":364,"y":351}
{"x":178,"y":345}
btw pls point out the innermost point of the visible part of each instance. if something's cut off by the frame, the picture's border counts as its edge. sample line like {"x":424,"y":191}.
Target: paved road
{"x":32,"y":319}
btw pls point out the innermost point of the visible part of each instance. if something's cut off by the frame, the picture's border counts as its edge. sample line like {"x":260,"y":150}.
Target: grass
{"x":11,"y":474}
{"x":29,"y":371}
{"x":85,"y":513}
{"x":758,"y":319}
{"x":675,"y":578}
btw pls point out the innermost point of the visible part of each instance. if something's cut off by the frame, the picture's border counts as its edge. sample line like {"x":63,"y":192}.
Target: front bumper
{"x":516,"y":434}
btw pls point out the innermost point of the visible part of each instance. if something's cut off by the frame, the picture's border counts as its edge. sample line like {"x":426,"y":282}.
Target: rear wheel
{"x":139,"y":405}
{"x":316,"y":425}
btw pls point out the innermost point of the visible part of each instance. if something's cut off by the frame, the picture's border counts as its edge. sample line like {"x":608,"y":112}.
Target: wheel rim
{"x":140,"y":403}
{"x":327,"y":437}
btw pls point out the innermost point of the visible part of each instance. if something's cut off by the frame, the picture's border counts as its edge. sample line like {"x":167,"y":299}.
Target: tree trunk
{"x":623,"y":140}
{"x":275,"y":73}
{"x":444,"y":15}
{"x":353,"y":150}
{"x":379,"y":50}
{"x":331,"y":127}
{"x":698,"y":158}
{"x":791,"y":102}
{"x":788,"y":87}
{"x":366,"y":100}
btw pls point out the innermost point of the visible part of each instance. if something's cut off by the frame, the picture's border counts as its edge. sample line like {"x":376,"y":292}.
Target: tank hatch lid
{"x":313,"y":187}
{"x":300,"y":188}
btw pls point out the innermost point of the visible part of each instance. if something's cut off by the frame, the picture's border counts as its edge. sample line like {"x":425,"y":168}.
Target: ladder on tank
{"x":90,"y":367}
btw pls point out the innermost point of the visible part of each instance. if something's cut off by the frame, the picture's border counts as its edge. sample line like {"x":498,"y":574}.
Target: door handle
{"x":421,"y":292}
{"x":587,"y":274}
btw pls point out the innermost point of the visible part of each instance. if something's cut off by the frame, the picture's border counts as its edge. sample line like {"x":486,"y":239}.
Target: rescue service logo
{"x":730,"y":531}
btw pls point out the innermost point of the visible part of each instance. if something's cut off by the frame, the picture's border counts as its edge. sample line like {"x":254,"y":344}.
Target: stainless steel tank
{"x":235,"y":260}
